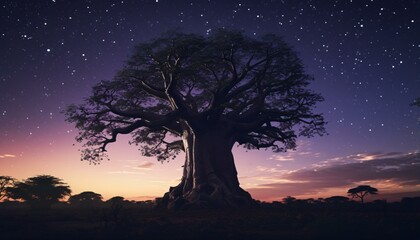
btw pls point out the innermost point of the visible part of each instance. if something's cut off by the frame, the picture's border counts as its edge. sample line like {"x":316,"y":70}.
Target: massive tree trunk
{"x":209,"y":178}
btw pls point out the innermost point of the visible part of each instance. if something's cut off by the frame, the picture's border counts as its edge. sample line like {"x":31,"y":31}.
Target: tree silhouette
{"x":289,"y":200}
{"x":5,"y":182}
{"x":201,"y":95}
{"x":361,"y":191}
{"x":86,"y":199}
{"x":116,"y":200}
{"x":116,"y":204}
{"x":336,"y":199}
{"x":40,"y":191}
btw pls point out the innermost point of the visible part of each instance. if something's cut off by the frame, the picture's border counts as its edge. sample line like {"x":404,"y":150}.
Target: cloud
{"x":270,"y":170}
{"x":282,"y":158}
{"x":392,"y":171}
{"x":359,"y":157}
{"x":145,"y":165}
{"x":7,"y":156}
{"x":401,"y":169}
{"x":133,"y":165}
{"x":304,"y":150}
{"x":373,"y":156}
{"x":124,"y":172}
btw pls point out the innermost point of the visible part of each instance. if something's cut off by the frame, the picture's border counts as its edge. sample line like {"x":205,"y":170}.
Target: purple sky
{"x":364,"y":55}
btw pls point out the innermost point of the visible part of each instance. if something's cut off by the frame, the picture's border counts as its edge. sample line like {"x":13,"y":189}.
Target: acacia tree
{"x":361,"y":191}
{"x":201,"y":95}
{"x":40,"y":191}
{"x":86,"y":199}
{"x":5,"y":182}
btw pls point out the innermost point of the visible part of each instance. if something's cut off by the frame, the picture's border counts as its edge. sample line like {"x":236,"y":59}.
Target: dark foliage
{"x":86,"y":199}
{"x":361,"y":191}
{"x":5,"y":182}
{"x":39,"y":191}
{"x":302,"y":219}
{"x":202,"y":95}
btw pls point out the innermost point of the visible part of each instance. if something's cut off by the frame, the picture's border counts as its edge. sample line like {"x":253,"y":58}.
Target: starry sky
{"x":364,"y":55}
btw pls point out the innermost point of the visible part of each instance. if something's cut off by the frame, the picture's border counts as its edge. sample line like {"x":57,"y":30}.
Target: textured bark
{"x":209,"y":177}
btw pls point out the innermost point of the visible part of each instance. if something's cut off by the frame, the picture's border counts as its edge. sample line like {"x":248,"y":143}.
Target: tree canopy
{"x":257,"y":86}
{"x":40,"y":191}
{"x":5,"y":182}
{"x":86,"y":199}
{"x":202,"y":95}
{"x":336,"y":199}
{"x":361,"y":191}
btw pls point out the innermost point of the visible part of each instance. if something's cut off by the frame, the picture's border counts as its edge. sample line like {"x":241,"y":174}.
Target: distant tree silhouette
{"x":116,"y":200}
{"x":116,"y":204}
{"x":86,"y":199}
{"x":289,"y":200}
{"x":5,"y":182}
{"x":361,"y":191}
{"x":40,"y":191}
{"x":411,"y":202}
{"x":336,"y":199}
{"x":202,"y":95}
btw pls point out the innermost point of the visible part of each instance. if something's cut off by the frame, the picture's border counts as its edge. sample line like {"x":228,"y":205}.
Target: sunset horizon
{"x":266,"y":184}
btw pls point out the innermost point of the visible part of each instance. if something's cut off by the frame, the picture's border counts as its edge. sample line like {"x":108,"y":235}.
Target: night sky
{"x":364,"y":55}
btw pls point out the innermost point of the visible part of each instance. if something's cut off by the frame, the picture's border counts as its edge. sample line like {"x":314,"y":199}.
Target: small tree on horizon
{"x":40,"y":191}
{"x":361,"y":191}
{"x":336,"y":199}
{"x":116,"y":199}
{"x":289,"y":200}
{"x":5,"y":182}
{"x":86,"y":199}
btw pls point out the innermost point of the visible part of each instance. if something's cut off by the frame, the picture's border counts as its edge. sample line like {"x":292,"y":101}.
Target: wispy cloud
{"x":134,"y":165}
{"x":282,"y":158}
{"x":304,"y":150}
{"x":374,"y":156}
{"x":392,"y":171}
{"x":7,"y":156}
{"x":145,"y":165}
{"x":125,"y":172}
{"x":270,"y":170}
{"x":359,"y":157}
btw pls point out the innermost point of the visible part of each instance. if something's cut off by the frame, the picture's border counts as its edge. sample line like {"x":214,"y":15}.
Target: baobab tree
{"x":202,"y":95}
{"x":361,"y":191}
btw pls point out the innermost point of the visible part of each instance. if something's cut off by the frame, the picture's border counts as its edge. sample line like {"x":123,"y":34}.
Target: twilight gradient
{"x":364,"y":55}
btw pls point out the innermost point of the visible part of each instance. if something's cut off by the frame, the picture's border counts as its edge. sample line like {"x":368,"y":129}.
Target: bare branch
{"x":158,"y":124}
{"x":160,"y":93}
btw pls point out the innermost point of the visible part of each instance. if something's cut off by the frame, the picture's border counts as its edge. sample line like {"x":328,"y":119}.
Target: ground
{"x":264,"y":222}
